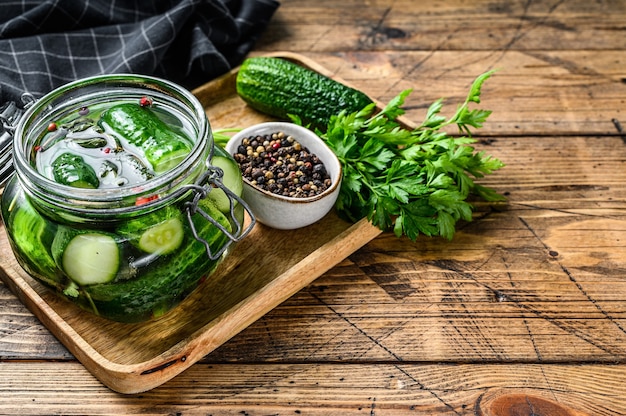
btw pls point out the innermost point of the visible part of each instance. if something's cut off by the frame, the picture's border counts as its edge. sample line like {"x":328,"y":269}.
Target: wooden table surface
{"x":522,"y":313}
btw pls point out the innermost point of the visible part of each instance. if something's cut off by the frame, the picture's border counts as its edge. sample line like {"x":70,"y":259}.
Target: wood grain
{"x":560,"y":64}
{"x":455,"y":25}
{"x":524,"y":312}
{"x":330,"y":389}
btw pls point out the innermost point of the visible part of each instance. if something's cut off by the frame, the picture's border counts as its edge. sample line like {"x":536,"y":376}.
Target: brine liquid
{"x":116,"y":161}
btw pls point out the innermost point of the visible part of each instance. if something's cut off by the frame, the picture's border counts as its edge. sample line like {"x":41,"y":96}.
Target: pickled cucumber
{"x":160,"y":232}
{"x":231,"y":179}
{"x":162,"y":147}
{"x":72,"y":170}
{"x":167,"y":280}
{"x":86,"y":257}
{"x":32,"y":237}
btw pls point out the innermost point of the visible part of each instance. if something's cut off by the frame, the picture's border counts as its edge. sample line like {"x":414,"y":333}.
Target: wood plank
{"x":328,"y":389}
{"x":328,"y":26}
{"x":22,"y":335}
{"x":561,"y":64}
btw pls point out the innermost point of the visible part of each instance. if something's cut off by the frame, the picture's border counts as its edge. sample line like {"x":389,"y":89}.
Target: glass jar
{"x":130,"y":252}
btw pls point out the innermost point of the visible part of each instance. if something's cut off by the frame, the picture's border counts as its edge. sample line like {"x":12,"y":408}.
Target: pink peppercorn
{"x":145,"y":102}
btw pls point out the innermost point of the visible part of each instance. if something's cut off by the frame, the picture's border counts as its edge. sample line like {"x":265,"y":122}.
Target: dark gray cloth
{"x":48,"y":43}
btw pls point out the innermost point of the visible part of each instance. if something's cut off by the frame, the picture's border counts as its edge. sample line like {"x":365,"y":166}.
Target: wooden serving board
{"x":261,"y":272}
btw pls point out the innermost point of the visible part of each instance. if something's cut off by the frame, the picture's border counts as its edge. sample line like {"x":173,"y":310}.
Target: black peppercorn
{"x":280,"y":164}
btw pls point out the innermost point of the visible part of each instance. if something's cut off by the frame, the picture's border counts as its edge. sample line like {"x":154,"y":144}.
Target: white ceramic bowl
{"x":283,"y":212}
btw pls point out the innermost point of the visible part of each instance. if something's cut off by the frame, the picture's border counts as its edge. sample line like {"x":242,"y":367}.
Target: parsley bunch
{"x":412,"y":181}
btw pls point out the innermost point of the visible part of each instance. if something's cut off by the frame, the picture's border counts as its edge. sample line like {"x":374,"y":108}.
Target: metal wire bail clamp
{"x":210,"y":180}
{"x":10,"y":115}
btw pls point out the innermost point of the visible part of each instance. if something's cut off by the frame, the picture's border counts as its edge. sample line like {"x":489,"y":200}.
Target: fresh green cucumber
{"x":70,"y":169}
{"x":166,"y":281}
{"x":231,"y":179}
{"x":159,"y":232}
{"x":86,"y":257}
{"x":162,"y":147}
{"x":280,"y":88}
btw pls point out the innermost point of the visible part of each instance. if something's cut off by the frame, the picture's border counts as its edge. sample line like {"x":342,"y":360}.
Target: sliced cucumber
{"x":231,"y":180}
{"x":163,"y":284}
{"x":159,"y":232}
{"x":86,"y":257}
{"x":162,"y":238}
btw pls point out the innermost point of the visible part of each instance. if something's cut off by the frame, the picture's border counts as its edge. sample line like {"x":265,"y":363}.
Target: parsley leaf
{"x":414,"y":182}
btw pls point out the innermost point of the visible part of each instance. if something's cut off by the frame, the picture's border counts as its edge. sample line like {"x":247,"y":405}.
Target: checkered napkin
{"x":48,"y":43}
